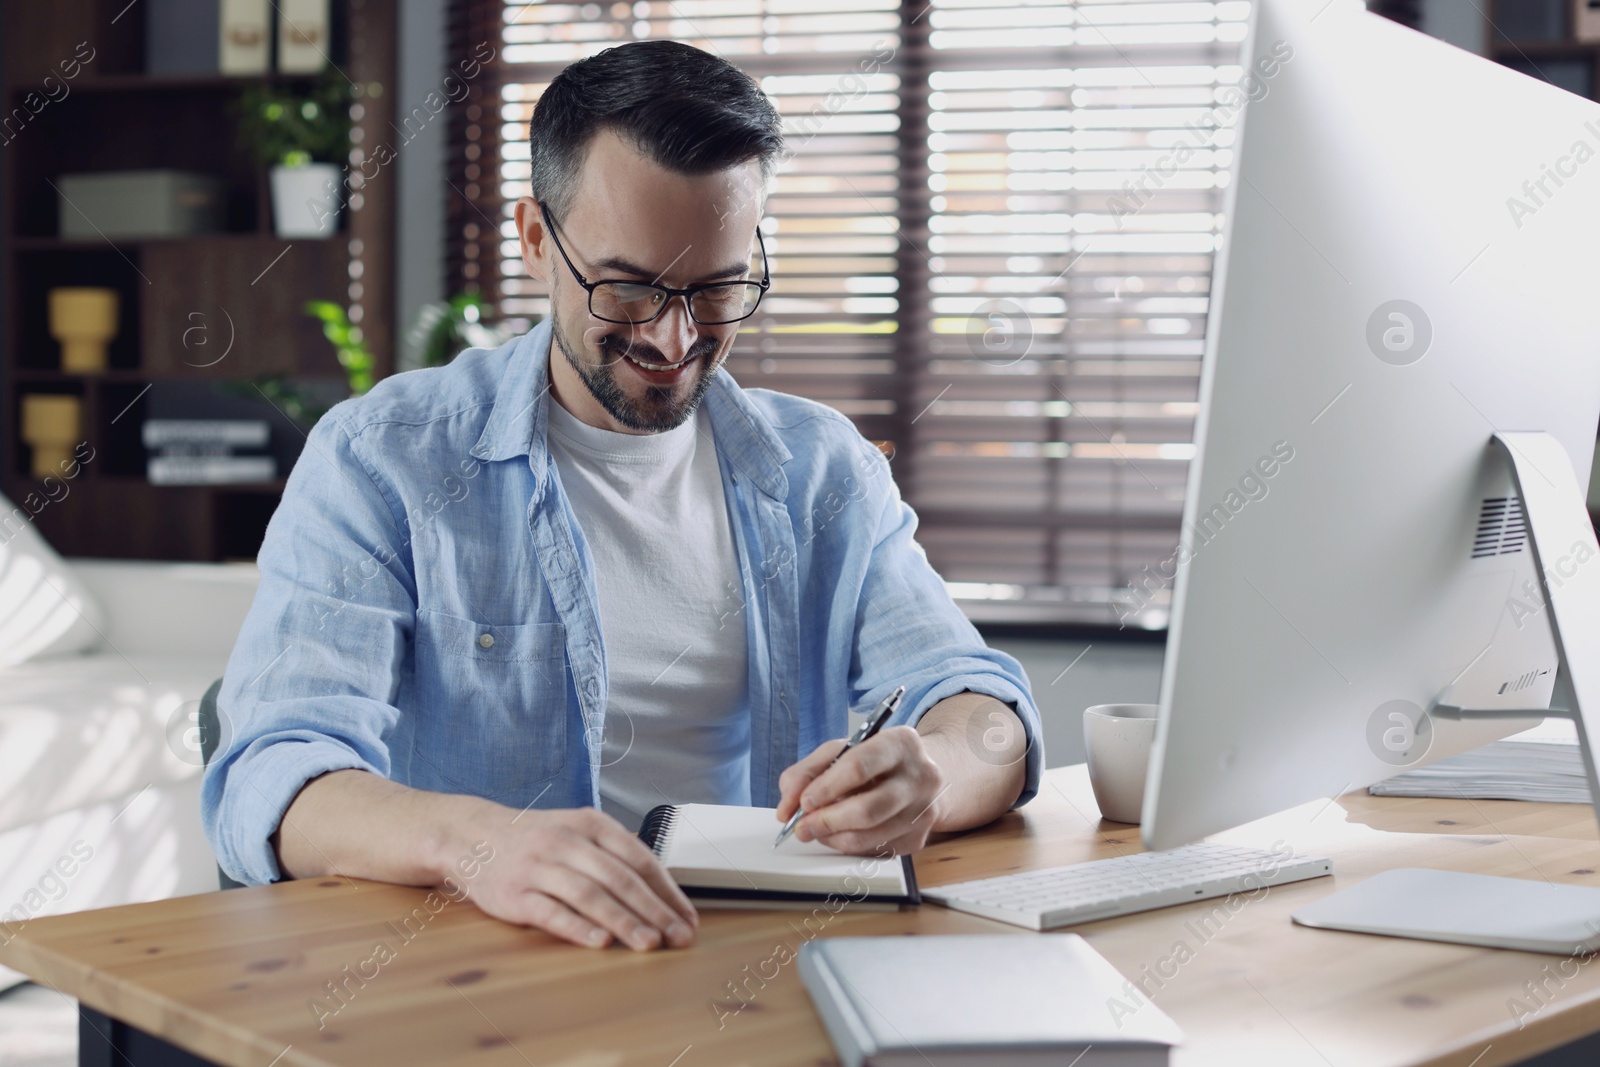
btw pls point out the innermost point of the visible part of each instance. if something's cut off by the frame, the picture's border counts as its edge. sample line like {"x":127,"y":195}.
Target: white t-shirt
{"x":677,"y":725}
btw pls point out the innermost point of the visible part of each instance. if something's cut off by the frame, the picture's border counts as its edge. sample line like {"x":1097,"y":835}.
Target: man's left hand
{"x":884,"y":792}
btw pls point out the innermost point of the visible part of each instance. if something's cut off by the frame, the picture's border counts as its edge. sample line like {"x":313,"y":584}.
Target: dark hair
{"x":688,"y":110}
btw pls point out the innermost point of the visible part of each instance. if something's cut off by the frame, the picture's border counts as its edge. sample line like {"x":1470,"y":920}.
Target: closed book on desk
{"x":1034,"y":1000}
{"x":722,"y":856}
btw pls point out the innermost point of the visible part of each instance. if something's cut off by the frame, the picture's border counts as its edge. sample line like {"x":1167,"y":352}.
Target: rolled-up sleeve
{"x":311,"y":684}
{"x":909,"y":632}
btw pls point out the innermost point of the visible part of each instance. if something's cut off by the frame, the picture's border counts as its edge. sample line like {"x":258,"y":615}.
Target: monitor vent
{"x":1501,"y":528}
{"x":1523,"y":681}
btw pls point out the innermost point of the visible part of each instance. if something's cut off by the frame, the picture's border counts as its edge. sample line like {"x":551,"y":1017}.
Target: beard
{"x":660,"y":407}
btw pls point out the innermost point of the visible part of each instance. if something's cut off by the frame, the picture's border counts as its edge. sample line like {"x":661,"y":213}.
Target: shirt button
{"x":486,"y":640}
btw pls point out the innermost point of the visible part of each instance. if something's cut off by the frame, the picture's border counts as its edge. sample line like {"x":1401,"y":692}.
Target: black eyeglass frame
{"x":687,"y":293}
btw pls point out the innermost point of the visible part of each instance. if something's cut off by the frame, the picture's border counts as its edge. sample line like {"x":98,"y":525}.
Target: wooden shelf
{"x":67,"y":244}
{"x":120,"y":375}
{"x":249,"y":285}
{"x":273,"y":486}
{"x":47,"y":376}
{"x":1544,"y":49}
{"x":133,"y":83}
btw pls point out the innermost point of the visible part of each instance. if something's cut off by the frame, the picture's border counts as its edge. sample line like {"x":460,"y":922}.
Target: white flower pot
{"x":306,"y":200}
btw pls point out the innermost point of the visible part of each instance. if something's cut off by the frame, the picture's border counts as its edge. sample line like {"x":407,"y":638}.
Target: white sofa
{"x":99,"y":772}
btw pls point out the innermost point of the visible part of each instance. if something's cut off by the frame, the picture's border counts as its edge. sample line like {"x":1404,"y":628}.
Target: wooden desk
{"x":233,"y":975}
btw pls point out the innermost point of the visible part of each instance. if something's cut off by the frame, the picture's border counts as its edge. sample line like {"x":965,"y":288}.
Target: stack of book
{"x":207,"y":451}
{"x":1539,"y":764}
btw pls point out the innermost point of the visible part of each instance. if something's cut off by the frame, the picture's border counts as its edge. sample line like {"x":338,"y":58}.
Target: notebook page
{"x":730,"y":847}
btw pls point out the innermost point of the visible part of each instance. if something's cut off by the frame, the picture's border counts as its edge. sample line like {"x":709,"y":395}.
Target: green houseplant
{"x":302,"y":402}
{"x":445,"y":327}
{"x":354,"y":357}
{"x":303,"y":137}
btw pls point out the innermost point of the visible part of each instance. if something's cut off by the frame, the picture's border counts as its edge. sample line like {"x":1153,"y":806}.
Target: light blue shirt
{"x":427,"y":607}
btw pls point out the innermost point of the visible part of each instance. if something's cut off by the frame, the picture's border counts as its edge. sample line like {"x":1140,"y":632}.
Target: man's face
{"x":633,"y":220}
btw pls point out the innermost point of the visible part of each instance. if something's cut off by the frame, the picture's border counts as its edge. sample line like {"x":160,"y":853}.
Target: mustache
{"x":616,"y":347}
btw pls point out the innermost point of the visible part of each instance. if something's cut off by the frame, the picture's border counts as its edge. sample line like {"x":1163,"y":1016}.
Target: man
{"x":509,"y":605}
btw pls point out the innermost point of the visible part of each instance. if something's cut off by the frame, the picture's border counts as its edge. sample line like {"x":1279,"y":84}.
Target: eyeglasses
{"x":635,"y":303}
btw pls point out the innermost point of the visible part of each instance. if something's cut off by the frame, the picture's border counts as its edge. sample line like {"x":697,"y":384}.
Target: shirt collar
{"x":518,"y":421}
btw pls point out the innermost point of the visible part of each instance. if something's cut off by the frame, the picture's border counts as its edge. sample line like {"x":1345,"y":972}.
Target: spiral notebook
{"x":722,"y":855}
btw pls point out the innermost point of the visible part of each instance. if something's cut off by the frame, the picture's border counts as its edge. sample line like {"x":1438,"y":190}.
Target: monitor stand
{"x":1519,"y":913}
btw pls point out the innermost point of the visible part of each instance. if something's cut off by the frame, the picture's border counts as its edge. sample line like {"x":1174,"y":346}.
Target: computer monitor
{"x":1410,"y":263}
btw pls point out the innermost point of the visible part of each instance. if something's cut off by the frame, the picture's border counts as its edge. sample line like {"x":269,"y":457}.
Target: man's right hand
{"x":577,"y":874}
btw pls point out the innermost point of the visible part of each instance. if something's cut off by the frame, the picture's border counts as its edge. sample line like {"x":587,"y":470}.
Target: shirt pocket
{"x":493,"y":714}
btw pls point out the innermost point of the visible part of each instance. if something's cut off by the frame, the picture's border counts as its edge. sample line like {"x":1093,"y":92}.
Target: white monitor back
{"x":1411,"y":261}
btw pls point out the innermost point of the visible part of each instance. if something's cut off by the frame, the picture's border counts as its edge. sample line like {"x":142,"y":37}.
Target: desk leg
{"x":107,"y":1042}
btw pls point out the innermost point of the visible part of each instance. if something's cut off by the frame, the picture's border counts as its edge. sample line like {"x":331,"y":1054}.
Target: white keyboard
{"x":1122,"y":885}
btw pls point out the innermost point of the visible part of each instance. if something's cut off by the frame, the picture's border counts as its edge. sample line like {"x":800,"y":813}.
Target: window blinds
{"x":991,"y":244}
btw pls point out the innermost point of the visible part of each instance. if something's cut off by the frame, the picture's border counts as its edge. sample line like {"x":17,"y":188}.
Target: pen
{"x":863,"y":732}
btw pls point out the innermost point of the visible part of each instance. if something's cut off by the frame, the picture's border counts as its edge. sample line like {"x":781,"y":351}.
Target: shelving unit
{"x":1537,"y":37}
{"x":182,"y":299}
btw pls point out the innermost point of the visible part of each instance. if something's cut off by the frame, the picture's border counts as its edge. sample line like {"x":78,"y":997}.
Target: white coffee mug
{"x":1118,"y":738}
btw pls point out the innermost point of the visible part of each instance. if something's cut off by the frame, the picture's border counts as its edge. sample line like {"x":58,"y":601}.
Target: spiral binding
{"x":653,"y":831}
